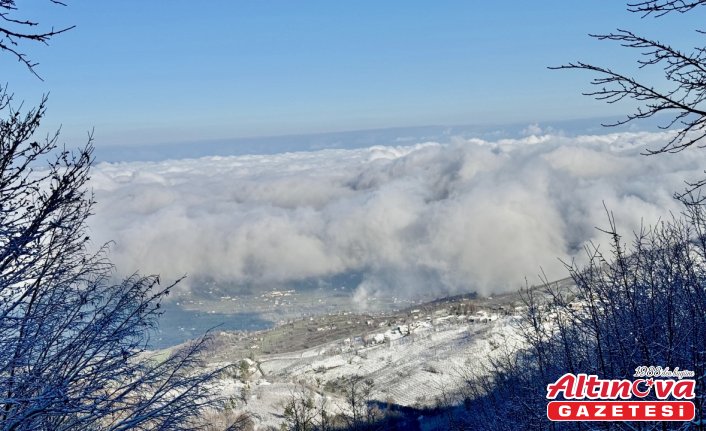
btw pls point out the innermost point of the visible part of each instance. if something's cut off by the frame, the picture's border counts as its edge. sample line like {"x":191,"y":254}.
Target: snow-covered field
{"x":410,"y":365}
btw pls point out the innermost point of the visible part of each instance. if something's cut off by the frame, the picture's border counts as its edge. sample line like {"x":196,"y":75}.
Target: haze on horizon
{"x":141,"y":73}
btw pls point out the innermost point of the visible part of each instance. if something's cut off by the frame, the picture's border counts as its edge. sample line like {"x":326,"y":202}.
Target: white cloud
{"x":532,"y":129}
{"x":472,"y":214}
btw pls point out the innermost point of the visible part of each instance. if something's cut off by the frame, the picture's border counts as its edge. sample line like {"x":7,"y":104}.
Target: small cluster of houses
{"x":390,"y":335}
{"x":422,"y":324}
{"x":277,"y":296}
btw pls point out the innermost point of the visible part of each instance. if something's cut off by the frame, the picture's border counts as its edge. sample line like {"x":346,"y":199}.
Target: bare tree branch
{"x":18,"y":31}
{"x":681,"y":94}
{"x":73,"y":344}
{"x":663,"y":7}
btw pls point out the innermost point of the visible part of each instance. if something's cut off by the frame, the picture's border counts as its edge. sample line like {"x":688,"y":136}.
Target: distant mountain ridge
{"x":354,"y":139}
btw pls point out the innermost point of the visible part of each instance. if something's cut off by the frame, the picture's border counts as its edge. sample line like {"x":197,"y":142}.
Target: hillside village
{"x":415,"y":357}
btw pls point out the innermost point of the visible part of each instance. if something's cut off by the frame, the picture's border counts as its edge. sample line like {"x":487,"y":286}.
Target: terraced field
{"x":413,"y":357}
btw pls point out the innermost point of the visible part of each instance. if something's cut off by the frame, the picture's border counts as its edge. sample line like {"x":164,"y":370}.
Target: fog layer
{"x":433,"y":218}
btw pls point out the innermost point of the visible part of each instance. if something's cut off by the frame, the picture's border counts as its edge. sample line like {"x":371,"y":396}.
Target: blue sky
{"x":144,"y":72}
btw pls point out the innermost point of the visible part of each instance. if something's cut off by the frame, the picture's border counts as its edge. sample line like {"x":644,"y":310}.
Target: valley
{"x":416,"y":358}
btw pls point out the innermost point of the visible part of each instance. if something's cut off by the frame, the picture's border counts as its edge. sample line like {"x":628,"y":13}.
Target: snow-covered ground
{"x":411,"y":365}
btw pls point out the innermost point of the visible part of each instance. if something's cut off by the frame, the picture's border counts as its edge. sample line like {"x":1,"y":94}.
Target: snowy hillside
{"x":414,"y":359}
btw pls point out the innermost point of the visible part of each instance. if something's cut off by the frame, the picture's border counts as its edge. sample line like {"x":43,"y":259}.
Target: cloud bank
{"x":428,"y":218}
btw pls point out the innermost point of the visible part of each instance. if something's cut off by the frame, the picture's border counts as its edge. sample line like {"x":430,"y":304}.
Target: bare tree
{"x":300,"y":412}
{"x":73,"y":345}
{"x":362,"y":413}
{"x":642,"y":303}
{"x":16,"y":31}
{"x":681,"y":94}
{"x":307,"y":410}
{"x":226,"y":419}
